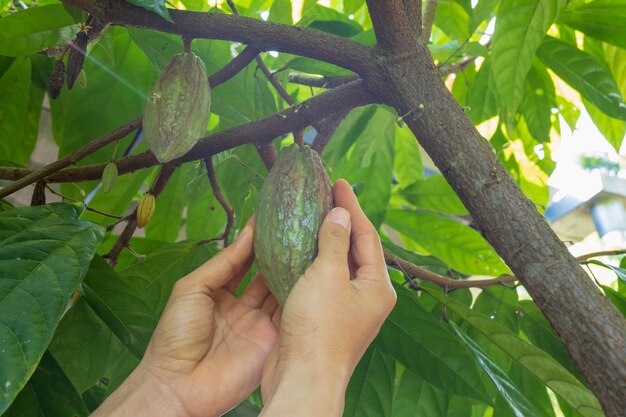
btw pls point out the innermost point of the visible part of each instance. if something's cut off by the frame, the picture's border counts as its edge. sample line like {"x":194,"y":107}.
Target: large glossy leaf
{"x":585,"y":74}
{"x":370,"y":390}
{"x":145,"y":285}
{"x":452,"y":19}
{"x":613,"y":130}
{"x":417,"y":398}
{"x":482,"y":99}
{"x":459,"y":246}
{"x":601,"y":19}
{"x":514,"y":397}
{"x":31,"y":30}
{"x":434,"y":194}
{"x":84,"y":346}
{"x":616,"y":298}
{"x":245,"y":409}
{"x":481,"y":12}
{"x":368,"y":164}
{"x":520,"y":27}
{"x":15,"y":86}
{"x":407,"y":165}
{"x":423,"y":344}
{"x":538,"y":102}
{"x":44,"y":254}
{"x":534,"y":391}
{"x":541,"y":365}
{"x":48,"y":393}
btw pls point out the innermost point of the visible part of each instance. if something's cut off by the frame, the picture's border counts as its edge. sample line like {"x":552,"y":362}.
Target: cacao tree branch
{"x":591,"y":328}
{"x":72,"y":158}
{"x":233,"y":68}
{"x":129,"y":230}
{"x":320,"y":82}
{"x":262,"y":35}
{"x":217,"y":192}
{"x":588,"y":256}
{"x":342,"y":98}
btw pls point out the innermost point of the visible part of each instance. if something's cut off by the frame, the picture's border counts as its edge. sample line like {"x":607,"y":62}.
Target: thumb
{"x":334,"y":240}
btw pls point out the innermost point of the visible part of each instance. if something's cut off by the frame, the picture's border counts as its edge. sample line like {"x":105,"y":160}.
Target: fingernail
{"x":340,"y":216}
{"x":243,"y":232}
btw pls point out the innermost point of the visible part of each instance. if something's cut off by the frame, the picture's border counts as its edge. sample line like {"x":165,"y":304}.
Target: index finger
{"x":365,"y":246}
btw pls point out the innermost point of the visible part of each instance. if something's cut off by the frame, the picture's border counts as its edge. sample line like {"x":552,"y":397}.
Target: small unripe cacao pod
{"x":145,"y":209}
{"x":178,"y":107}
{"x":109,"y":175}
{"x":292,"y":204}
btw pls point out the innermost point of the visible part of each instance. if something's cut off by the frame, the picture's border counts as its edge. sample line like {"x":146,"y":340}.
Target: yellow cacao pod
{"x":145,"y":209}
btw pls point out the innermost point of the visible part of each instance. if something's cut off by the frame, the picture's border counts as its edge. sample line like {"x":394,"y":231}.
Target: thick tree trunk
{"x":593,"y":331}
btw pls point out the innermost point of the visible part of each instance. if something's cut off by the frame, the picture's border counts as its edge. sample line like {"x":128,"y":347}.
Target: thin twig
{"x":583,"y":258}
{"x":72,"y":158}
{"x":217,"y":192}
{"x":85,"y":206}
{"x":123,"y":240}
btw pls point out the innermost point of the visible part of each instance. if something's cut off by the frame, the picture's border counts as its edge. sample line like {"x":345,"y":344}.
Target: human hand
{"x":208,"y":349}
{"x":329,"y":319}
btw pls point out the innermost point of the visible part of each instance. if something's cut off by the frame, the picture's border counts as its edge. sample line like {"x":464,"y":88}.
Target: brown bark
{"x":593,"y":331}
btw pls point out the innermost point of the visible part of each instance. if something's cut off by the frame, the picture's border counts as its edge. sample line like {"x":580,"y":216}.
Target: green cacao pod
{"x":145,"y":209}
{"x":109,"y":175}
{"x":293,"y":202}
{"x":178,"y":107}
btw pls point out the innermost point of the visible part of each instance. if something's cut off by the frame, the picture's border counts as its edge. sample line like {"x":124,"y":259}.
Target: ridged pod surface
{"x":293,"y":202}
{"x":178,"y":107}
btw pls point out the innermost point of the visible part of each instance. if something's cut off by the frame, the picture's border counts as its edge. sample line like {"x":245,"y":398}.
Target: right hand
{"x":329,"y":319}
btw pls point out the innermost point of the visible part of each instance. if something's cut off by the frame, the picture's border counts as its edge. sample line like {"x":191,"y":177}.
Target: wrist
{"x":308,"y":390}
{"x":141,"y":394}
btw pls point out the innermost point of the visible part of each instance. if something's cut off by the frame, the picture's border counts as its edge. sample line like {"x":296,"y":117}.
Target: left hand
{"x":209,"y":347}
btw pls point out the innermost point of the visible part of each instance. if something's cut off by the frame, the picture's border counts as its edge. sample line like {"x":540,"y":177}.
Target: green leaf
{"x":416,"y":397}
{"x":422,"y":343}
{"x":31,"y":30}
{"x":616,"y":298}
{"x":280,"y":12}
{"x":536,"y":361}
{"x":145,"y":285}
{"x":351,"y":6}
{"x":613,"y":130}
{"x":15,"y":86}
{"x":44,"y":254}
{"x":540,"y":333}
{"x":116,"y":68}
{"x":48,"y":393}
{"x":482,"y":100}
{"x":155,"y":6}
{"x":539,"y":99}
{"x":459,"y":246}
{"x":514,"y":397}
{"x":407,"y":165}
{"x":329,"y":20}
{"x":520,"y":27}
{"x":620,"y":272}
{"x":245,"y":409}
{"x":585,"y":74}
{"x":452,"y":19}
{"x":84,"y":346}
{"x":372,"y":152}
{"x":370,"y":390}
{"x":434,"y":194}
{"x":601,"y":19}
{"x":159,"y":47}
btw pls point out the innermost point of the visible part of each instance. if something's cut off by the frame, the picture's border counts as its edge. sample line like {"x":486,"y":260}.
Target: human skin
{"x":210,"y":349}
